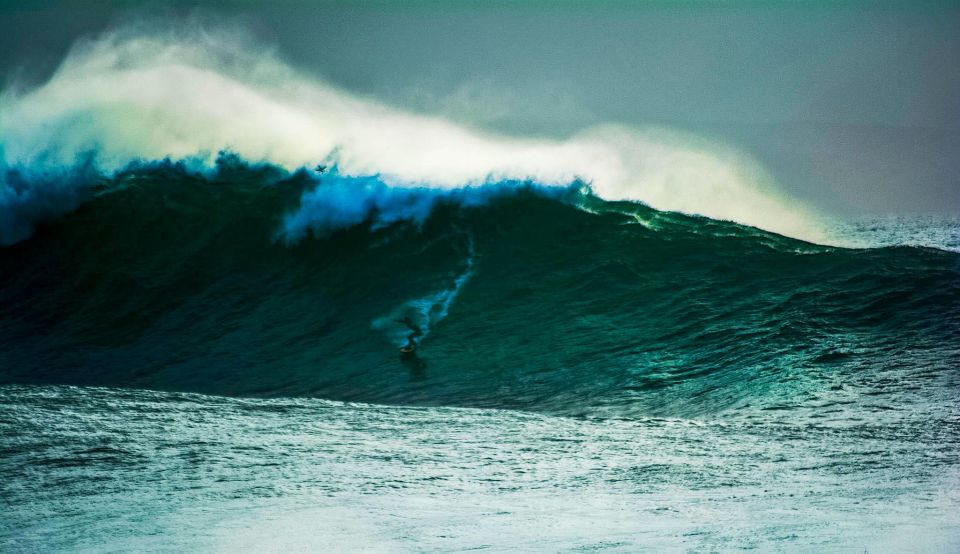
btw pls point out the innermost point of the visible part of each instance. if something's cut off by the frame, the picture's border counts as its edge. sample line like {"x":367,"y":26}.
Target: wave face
{"x":250,"y":280}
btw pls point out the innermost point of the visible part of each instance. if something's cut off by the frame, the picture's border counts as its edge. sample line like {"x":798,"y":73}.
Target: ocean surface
{"x":209,"y":360}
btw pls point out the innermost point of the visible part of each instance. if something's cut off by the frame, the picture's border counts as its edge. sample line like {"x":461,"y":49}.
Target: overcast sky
{"x":854,"y":106}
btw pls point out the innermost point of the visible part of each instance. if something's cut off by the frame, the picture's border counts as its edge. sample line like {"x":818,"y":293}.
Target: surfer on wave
{"x":411,"y":345}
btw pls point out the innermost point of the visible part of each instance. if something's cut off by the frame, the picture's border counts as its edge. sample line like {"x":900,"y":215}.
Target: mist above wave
{"x":131,"y":95}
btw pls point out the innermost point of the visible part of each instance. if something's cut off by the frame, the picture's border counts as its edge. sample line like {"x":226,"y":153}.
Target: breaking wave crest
{"x":130,"y":97}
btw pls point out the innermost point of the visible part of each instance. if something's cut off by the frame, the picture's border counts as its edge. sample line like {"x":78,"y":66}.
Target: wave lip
{"x":29,"y":197}
{"x":340,"y":201}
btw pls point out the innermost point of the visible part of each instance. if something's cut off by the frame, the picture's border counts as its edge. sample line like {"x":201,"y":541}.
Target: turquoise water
{"x":107,"y":469}
{"x":210,"y":361}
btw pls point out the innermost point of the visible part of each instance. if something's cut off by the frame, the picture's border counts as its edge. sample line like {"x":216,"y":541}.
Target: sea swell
{"x":252,"y":280}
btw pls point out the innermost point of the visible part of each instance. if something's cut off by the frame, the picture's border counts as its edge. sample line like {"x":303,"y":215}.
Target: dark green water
{"x":565,"y":304}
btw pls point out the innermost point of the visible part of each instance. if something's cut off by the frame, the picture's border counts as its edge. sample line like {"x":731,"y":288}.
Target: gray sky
{"x":854,"y":106}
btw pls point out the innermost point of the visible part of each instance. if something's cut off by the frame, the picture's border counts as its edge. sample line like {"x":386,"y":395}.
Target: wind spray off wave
{"x":129,"y":97}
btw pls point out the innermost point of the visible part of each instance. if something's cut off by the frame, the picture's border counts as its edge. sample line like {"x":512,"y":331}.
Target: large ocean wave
{"x":184,"y":237}
{"x":251,"y":280}
{"x":629,"y":332}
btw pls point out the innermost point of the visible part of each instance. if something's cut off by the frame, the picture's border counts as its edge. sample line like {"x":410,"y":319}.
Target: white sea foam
{"x":130,"y":96}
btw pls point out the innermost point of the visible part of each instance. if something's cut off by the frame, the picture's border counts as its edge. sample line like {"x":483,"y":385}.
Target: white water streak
{"x":426,"y":311}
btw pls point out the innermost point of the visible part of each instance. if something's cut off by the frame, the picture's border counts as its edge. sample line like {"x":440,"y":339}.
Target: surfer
{"x":412,"y":337}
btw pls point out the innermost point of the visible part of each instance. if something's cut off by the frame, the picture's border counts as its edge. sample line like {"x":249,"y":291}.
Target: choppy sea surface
{"x":108,"y":470}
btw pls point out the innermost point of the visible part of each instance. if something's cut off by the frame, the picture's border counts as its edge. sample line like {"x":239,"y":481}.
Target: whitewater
{"x":186,"y":95}
{"x":630,"y":339}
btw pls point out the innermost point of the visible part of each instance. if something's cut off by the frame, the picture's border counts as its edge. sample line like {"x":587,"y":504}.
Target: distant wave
{"x":129,"y":97}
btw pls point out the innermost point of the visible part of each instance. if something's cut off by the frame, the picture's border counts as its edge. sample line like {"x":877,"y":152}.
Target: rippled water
{"x":103,"y":469}
{"x":929,"y":230}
